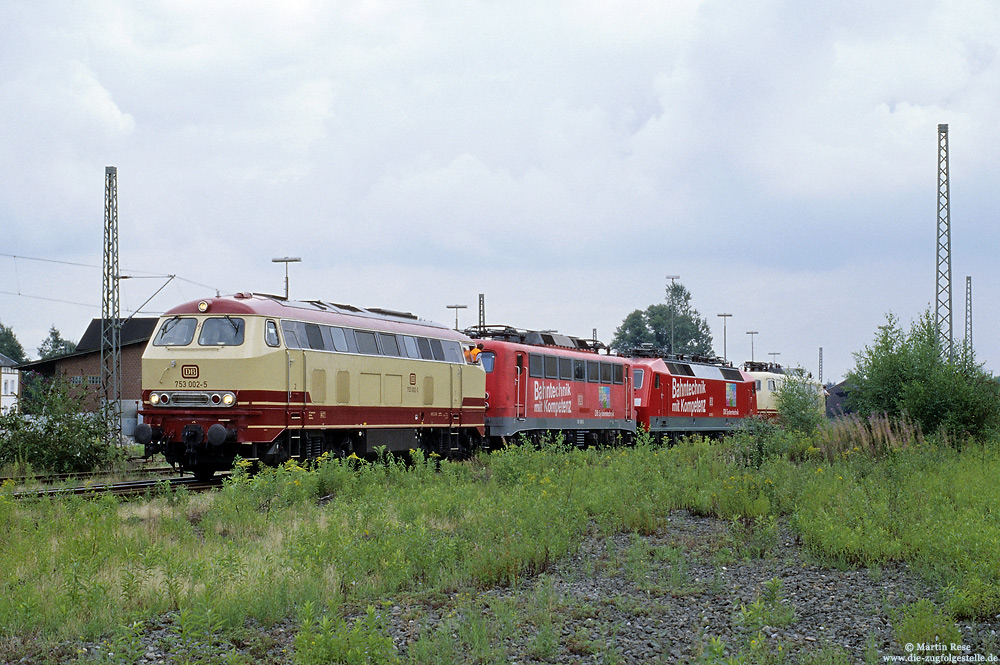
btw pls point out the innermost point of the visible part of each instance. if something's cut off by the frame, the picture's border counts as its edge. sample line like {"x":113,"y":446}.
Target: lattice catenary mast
{"x":942,"y":305}
{"x":111,"y":349}
{"x":968,"y":312}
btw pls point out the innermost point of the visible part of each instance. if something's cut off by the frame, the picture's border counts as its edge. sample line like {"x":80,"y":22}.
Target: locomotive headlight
{"x":203,"y":306}
{"x":154,"y":399}
{"x":229,"y":399}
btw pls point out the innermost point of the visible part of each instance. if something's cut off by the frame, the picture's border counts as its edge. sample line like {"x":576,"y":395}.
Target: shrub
{"x":62,"y":438}
{"x":800,"y":402}
{"x":904,"y":375}
{"x":923,"y":624}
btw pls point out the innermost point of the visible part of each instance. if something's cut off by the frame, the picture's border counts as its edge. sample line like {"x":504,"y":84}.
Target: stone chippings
{"x":604,"y":609}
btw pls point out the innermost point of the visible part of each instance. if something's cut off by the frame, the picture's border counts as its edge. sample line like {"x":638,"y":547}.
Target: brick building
{"x":83,"y":367}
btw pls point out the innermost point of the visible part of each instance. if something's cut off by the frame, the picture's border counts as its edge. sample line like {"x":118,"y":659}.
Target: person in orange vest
{"x":474,"y":353}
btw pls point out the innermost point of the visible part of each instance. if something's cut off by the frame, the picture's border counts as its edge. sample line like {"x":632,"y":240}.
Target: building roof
{"x":134,"y":331}
{"x":6,"y":362}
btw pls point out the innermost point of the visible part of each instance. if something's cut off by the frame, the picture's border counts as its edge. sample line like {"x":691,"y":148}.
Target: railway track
{"x":129,"y":488}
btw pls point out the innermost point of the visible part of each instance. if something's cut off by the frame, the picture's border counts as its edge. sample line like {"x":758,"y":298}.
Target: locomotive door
{"x":456,"y":393}
{"x":520,"y":388}
{"x":295,"y":389}
{"x":629,"y":395}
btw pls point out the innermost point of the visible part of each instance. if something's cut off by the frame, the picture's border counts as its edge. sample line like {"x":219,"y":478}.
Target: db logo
{"x":189,"y":371}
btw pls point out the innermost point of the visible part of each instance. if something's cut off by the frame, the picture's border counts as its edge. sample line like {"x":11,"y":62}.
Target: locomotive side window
{"x":756,"y":384}
{"x":535,"y":367}
{"x":656,"y":382}
{"x":637,"y":378}
{"x":222,"y":331}
{"x":488,"y":360}
{"x":291,"y":335}
{"x":176,"y":332}
{"x":606,"y":372}
{"x":338,"y":339}
{"x":593,"y":371}
{"x":438,"y":349}
{"x":551,"y":367}
{"x":772,"y":385}
{"x":453,"y":352}
{"x":565,"y":369}
{"x":314,"y":337}
{"x":579,"y":370}
{"x":619,"y":374}
{"x":425,"y":348}
{"x":271,"y":333}
{"x":410,"y":344}
{"x":390,"y":347}
{"x":366,"y":342}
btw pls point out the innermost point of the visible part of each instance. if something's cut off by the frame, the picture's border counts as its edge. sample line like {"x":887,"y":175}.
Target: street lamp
{"x":286,"y":260}
{"x":751,"y":333}
{"x":456,"y":308}
{"x":670,"y":292}
{"x":724,"y":317}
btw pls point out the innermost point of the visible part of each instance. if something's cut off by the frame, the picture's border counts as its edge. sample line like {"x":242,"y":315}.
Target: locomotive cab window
{"x":222,"y":331}
{"x":488,"y":360}
{"x":271,"y":333}
{"x":176,"y":332}
{"x":637,"y":378}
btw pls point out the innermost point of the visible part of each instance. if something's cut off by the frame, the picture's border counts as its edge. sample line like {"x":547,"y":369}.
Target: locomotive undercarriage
{"x":205,"y":452}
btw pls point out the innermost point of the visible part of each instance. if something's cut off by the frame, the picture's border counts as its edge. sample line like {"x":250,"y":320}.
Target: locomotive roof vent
{"x":647,"y":350}
{"x":533,"y":337}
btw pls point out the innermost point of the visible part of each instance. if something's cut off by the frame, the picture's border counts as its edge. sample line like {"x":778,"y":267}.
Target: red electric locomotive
{"x":676,"y":395}
{"x":538,"y":382}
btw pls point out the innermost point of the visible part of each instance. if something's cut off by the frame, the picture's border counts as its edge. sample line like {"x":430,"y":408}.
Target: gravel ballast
{"x":676,"y":596}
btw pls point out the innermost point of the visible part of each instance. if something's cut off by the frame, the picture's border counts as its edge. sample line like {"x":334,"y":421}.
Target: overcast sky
{"x":562,"y":158}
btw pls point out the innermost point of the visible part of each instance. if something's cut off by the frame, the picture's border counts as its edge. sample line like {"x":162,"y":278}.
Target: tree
{"x":658,"y":324}
{"x":54,"y":345}
{"x":9,"y":346}
{"x":905,"y":376}
{"x":800,"y":402}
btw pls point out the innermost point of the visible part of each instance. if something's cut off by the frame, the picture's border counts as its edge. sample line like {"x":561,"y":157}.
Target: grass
{"x":322,"y":544}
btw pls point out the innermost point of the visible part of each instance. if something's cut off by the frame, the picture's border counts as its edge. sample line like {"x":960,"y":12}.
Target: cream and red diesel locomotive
{"x":268,"y":379}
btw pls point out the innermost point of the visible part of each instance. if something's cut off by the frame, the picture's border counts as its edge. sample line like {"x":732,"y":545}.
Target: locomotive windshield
{"x":222,"y":331}
{"x":176,"y":332}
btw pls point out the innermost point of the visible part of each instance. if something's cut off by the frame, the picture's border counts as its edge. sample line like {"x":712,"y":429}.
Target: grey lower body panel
{"x":496,"y":427}
{"x":686,"y":424}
